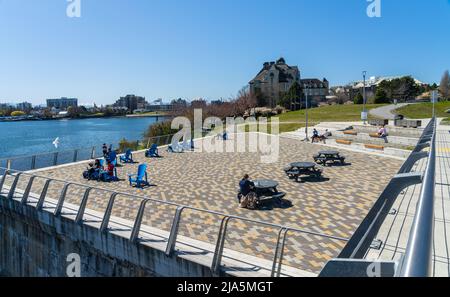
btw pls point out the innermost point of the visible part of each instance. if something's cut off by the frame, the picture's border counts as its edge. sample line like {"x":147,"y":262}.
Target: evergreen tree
{"x":359,"y":99}
{"x":381,"y":97}
{"x":293,"y":98}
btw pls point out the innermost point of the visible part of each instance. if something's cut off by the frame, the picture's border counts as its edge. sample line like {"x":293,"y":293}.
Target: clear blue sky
{"x":209,"y":48}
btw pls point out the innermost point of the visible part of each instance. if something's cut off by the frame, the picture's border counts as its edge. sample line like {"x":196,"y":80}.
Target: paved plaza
{"x":333,"y":206}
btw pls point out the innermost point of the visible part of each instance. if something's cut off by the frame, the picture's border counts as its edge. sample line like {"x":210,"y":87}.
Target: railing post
{"x":14,"y":185}
{"x":107,"y":216}
{"x":81,"y":210}
{"x":40,"y":203}
{"x":33,"y":162}
{"x":217,"y":259}
{"x":8,"y":164}
{"x":174,"y":231}
{"x":26,"y":194}
{"x":55,"y":159}
{"x":93,"y":153}
{"x":279,"y":252}
{"x":62,"y":197}
{"x":75,"y":156}
{"x":2,"y":181}
{"x":137,"y":223}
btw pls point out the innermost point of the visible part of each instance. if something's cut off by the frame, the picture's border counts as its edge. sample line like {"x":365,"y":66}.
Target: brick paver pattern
{"x":334,"y":206}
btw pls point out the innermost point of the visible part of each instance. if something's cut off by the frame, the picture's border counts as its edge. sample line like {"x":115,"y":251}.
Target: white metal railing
{"x":278,"y":252}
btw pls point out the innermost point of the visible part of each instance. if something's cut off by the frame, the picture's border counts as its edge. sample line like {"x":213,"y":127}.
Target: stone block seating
{"x":343,"y":141}
{"x":374,"y":147}
{"x":408,"y":123}
{"x":374,"y":135}
{"x":379,"y":122}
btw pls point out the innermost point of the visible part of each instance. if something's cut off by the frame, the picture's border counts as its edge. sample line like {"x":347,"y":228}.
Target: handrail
{"x":418,"y":258}
{"x":280,"y":244}
{"x":75,"y":154}
{"x":362,"y":238}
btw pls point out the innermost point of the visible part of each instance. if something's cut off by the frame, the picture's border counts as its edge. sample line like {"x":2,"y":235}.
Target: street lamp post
{"x":306,"y":112}
{"x":364,"y":97}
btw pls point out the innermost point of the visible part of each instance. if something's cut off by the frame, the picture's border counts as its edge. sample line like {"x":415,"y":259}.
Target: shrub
{"x":124,"y":145}
{"x":17,"y":113}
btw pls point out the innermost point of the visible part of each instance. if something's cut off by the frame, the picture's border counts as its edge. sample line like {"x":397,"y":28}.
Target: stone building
{"x":273,"y":81}
{"x":317,"y":89}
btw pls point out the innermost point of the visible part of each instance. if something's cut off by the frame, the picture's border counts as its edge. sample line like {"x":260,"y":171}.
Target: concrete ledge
{"x":110,"y":253}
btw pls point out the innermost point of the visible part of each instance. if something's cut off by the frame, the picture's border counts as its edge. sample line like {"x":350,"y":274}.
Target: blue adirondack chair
{"x":113,"y":158}
{"x":152,"y":152}
{"x":140,"y":179}
{"x":128,"y":157}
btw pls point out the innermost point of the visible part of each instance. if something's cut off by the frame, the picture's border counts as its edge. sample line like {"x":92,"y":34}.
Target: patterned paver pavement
{"x":334,"y":206}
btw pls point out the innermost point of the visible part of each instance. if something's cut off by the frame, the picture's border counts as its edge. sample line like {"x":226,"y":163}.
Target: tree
{"x":17,"y":113}
{"x":293,"y":98}
{"x":359,"y":99}
{"x":381,"y":97}
{"x":444,"y":87}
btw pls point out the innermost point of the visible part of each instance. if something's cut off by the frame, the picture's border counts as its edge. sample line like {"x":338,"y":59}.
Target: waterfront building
{"x":273,"y":81}
{"x":318,"y":90}
{"x":131,"y":102}
{"x":24,"y":106}
{"x":62,"y":103}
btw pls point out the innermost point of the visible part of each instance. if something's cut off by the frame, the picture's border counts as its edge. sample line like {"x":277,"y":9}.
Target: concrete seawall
{"x":37,"y":243}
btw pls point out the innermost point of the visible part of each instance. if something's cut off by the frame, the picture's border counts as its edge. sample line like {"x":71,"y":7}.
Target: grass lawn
{"x":295,"y":120}
{"x":424,"y":110}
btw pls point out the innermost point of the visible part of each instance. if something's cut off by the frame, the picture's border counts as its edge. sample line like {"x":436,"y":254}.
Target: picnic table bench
{"x":266,"y":190}
{"x":297,"y":169}
{"x":325,"y":157}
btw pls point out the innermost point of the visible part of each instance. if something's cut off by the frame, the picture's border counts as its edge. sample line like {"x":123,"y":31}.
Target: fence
{"x":13,"y":178}
{"x":38,"y":161}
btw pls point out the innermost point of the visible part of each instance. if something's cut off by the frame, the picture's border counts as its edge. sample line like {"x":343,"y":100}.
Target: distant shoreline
{"x":82,"y":118}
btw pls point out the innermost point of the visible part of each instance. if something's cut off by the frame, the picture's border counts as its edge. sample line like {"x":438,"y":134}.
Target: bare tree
{"x":444,"y":88}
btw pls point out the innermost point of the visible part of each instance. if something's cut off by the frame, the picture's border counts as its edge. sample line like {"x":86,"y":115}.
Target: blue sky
{"x":209,"y":48}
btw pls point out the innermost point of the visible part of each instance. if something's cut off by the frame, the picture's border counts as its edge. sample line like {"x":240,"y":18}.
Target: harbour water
{"x":36,"y":137}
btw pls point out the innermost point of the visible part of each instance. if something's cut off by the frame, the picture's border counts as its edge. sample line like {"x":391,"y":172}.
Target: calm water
{"x":34,"y":137}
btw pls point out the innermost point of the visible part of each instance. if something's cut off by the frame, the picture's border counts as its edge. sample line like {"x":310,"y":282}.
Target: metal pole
{"x":364,"y":95}
{"x":306,"y":113}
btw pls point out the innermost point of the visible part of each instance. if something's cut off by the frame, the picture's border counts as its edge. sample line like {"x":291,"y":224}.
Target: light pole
{"x":306,"y":112}
{"x":364,"y":97}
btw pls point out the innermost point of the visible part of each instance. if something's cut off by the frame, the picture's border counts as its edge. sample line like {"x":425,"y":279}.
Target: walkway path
{"x":395,"y":231}
{"x":386,"y":112}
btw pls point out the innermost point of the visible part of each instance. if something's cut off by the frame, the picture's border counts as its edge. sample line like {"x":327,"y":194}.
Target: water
{"x":36,"y":137}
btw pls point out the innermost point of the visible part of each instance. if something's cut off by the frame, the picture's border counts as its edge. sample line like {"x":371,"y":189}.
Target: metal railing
{"x":43,"y":160}
{"x":418,"y":257}
{"x":278,"y":252}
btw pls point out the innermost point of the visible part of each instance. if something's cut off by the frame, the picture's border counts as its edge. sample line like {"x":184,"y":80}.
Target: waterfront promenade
{"x":332,"y":207}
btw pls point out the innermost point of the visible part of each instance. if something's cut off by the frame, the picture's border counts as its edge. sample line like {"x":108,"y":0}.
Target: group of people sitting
{"x":97,"y":170}
{"x":318,"y":138}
